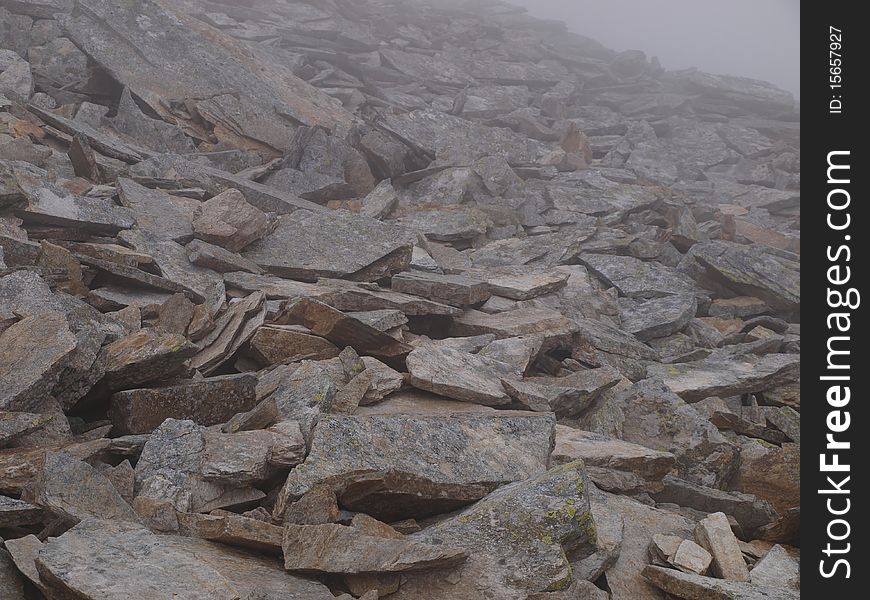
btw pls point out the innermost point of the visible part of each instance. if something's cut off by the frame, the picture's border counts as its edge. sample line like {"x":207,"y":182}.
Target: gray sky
{"x":751,"y":38}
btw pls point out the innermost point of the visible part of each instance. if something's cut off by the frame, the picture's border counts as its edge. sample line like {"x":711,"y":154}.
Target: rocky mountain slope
{"x":389,"y":298}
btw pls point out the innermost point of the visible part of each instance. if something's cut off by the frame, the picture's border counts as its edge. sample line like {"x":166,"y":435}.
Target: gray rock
{"x":725,"y":376}
{"x":566,"y":396}
{"x":73,"y":490}
{"x":331,"y":548}
{"x":308,"y":245}
{"x":208,"y":256}
{"x":659,"y":317}
{"x":120,"y":553}
{"x":635,"y":278}
{"x":750,"y":512}
{"x":460,"y":375}
{"x":455,"y":459}
{"x":695,"y":587}
{"x":518,"y":538}
{"x":157,"y":213}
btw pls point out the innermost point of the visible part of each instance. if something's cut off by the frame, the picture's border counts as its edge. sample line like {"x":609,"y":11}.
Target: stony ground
{"x":389,"y":298}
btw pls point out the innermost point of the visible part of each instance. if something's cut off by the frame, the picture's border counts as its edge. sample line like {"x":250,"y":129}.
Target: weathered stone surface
{"x":209,"y":256}
{"x":158,"y":213}
{"x":144,"y":356}
{"x":518,"y":538}
{"x":231,"y":331}
{"x":691,"y":558}
{"x":128,"y":560}
{"x":714,"y":533}
{"x":205,"y":401}
{"x":777,"y":570}
{"x":331,"y":548}
{"x":238,"y":458}
{"x":600,"y":451}
{"x":276,"y":344}
{"x":229,"y":221}
{"x":170,"y":471}
{"x":459,"y":375}
{"x":342,"y":330}
{"x":73,"y":490}
{"x":753,"y":271}
{"x":522,"y":321}
{"x":649,"y":414}
{"x":728,"y":375}
{"x":749,"y":511}
{"x":15,"y":513}
{"x":659,"y":317}
{"x":33,"y":353}
{"x":696,"y":587}
{"x":522,"y":283}
{"x":635,"y":278}
{"x":307,"y":245}
{"x":455,"y":459}
{"x":566,"y":396}
{"x":455,"y":290}
{"x":233,"y":530}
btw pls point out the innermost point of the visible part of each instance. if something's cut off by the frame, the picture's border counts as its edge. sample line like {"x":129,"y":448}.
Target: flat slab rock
{"x":566,"y":396}
{"x":455,"y":290}
{"x":517,"y":538}
{"x":659,"y":317}
{"x":109,"y":560}
{"x":690,"y":586}
{"x":333,"y":548}
{"x":635,"y":278}
{"x":460,"y":375}
{"x":723,"y":375}
{"x":308,"y":245}
{"x":406,"y":465}
{"x":205,"y":401}
{"x":610,"y":453}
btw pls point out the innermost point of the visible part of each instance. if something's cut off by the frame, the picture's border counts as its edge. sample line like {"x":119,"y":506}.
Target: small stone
{"x":691,"y":558}
{"x":228,"y":220}
{"x":715,"y":535}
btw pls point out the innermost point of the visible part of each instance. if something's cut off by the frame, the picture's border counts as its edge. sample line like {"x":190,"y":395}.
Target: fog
{"x":751,"y":38}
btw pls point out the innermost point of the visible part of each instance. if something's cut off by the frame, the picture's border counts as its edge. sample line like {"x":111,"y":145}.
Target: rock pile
{"x":389,"y":298}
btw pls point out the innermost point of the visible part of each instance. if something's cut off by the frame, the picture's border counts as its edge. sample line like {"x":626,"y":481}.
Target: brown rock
{"x":715,"y":535}
{"x":229,"y":221}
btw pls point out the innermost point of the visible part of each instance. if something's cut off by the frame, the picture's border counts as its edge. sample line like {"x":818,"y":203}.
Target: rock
{"x":307,"y":245}
{"x":169,"y":472}
{"x":173,"y":264}
{"x":651,"y":415}
{"x":521,"y":283}
{"x":228,"y":220}
{"x":691,"y":558}
{"x":144,"y":356}
{"x":777,"y":570}
{"x":206,"y":401}
{"x":518,"y":538}
{"x":342,"y":330}
{"x":11,"y":583}
{"x":73,"y":490}
{"x":316,"y":506}
{"x":209,"y":256}
{"x":181,"y":566}
{"x":635,"y":278}
{"x":695,"y":587}
{"x":659,"y":317}
{"x":231,"y":331}
{"x":371,"y":474}
{"x":157,"y":213}
{"x":155,"y":134}
{"x":714,"y":533}
{"x":566,"y":396}
{"x":331,"y":548}
{"x":33,"y":354}
{"x":600,"y":452}
{"x":15,"y":513}
{"x":381,"y":201}
{"x":726,"y":376}
{"x":752,"y":271}
{"x":276,"y":344}
{"x":233,"y":530}
{"x":16,"y":80}
{"x":750,"y":512}
{"x":522,"y":321}
{"x":455,"y":290}
{"x":237,"y":459}
{"x":459,"y":375}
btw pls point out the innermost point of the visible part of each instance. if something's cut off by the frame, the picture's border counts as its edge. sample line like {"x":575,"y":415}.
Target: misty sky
{"x":751,"y":38}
